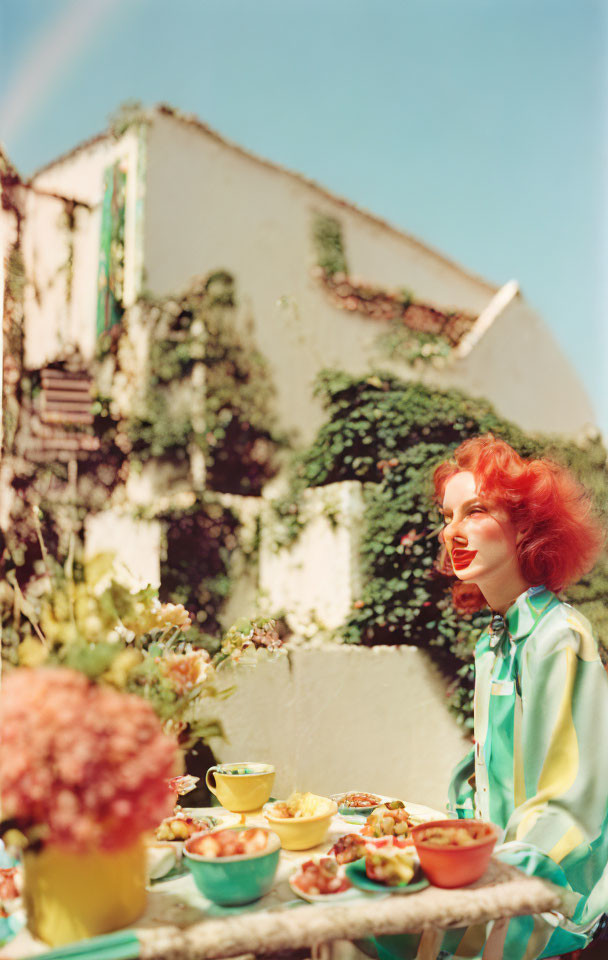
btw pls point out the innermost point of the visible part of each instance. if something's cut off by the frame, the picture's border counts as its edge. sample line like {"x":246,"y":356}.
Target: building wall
{"x":330,"y":717}
{"x":344,"y":718}
{"x":211,"y":206}
{"x":54,"y":320}
{"x":519,"y":366}
{"x":59,"y":315}
{"x":316,"y":579}
{"x":208,"y":206}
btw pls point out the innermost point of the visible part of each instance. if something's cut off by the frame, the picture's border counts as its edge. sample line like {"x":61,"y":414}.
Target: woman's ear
{"x":519,"y":537}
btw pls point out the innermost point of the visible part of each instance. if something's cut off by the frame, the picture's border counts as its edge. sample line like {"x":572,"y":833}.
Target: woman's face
{"x":481,"y":539}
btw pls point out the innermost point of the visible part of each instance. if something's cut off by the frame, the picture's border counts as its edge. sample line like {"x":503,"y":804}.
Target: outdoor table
{"x":180,"y":924}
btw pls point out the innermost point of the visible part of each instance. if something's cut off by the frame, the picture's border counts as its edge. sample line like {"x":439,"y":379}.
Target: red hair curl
{"x":561,"y":536}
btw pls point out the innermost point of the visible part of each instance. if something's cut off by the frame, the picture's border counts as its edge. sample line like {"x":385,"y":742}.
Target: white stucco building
{"x":167,"y":200}
{"x":194,"y":203}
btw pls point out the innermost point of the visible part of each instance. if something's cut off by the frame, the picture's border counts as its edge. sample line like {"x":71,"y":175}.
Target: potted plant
{"x":102,"y":692}
{"x":84,"y":771}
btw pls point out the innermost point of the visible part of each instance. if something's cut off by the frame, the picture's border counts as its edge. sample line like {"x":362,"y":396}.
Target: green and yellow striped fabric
{"x":539,"y":768}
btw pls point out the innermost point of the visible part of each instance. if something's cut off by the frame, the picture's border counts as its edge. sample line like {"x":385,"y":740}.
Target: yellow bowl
{"x":302,"y":833}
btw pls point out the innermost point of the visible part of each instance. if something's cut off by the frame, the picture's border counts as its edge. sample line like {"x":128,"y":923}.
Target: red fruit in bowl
{"x":205,"y":846}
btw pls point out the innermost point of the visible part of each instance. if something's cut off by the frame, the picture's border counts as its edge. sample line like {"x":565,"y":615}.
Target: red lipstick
{"x":462,"y":558}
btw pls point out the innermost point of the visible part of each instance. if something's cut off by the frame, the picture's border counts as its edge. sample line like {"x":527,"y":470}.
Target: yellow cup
{"x":241,"y":787}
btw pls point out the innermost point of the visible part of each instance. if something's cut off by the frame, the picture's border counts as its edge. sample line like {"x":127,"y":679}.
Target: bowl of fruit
{"x":302,"y":821}
{"x":454,"y":853}
{"x":235,"y":865}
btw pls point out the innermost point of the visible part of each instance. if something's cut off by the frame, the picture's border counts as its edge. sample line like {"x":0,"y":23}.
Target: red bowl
{"x":452,"y":865}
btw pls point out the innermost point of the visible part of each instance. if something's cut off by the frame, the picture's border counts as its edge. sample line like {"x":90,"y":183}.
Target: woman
{"x":516,"y":533}
{"x":521,"y":531}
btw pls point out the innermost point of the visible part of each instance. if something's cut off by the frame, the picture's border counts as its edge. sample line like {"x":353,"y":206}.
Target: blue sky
{"x":480,"y":126}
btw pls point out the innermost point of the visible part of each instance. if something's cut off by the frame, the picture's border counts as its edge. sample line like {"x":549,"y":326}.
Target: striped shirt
{"x":540,"y":763}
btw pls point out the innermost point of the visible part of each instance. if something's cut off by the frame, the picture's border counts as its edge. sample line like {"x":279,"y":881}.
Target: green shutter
{"x":111,"y":250}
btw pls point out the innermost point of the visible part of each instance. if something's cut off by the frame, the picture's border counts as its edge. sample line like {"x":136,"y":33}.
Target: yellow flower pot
{"x":72,"y":896}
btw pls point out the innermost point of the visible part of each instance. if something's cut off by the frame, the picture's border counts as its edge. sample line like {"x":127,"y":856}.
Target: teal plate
{"x":346,"y":811}
{"x":358,"y":877}
{"x":360,"y":813}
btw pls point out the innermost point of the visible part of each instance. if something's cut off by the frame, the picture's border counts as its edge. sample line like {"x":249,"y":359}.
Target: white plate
{"x":224,"y":818}
{"x":320,"y":897}
{"x":417,"y":811}
{"x":161,"y":859}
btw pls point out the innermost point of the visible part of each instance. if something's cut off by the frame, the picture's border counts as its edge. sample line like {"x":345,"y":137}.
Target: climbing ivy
{"x":390,"y":435}
{"x":197,"y":543}
{"x":228,"y":414}
{"x":327,"y":237}
{"x":412,"y":346}
{"x":418,"y":332}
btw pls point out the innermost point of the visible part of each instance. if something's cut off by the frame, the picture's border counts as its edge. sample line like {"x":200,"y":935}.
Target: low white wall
{"x":337,"y":718}
{"x":135,"y":544}
{"x":316,"y":579}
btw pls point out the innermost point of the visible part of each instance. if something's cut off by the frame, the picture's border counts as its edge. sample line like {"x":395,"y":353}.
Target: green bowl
{"x":232,"y":881}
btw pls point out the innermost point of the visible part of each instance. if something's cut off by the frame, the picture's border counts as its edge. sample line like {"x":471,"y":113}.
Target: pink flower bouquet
{"x":81,"y":765}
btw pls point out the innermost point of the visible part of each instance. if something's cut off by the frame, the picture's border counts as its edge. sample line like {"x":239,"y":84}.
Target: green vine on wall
{"x":419,"y":332}
{"x":229,"y":414}
{"x":390,"y":435}
{"x":197,"y":544}
{"x":329,"y":247}
{"x":404,"y":345}
{"x":13,"y":296}
{"x":67,"y":221}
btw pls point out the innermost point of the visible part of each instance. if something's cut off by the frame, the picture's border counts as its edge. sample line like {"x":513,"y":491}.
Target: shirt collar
{"x":525,"y":611}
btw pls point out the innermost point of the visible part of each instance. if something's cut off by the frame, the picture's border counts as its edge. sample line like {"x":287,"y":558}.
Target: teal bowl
{"x":232,"y":881}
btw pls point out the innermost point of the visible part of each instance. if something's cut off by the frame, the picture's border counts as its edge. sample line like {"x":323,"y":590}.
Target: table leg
{"x":430,"y":942}
{"x":496,"y":941}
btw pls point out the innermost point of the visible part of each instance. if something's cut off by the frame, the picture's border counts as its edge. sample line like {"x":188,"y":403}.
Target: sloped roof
{"x":6,"y":164}
{"x":193,"y":121}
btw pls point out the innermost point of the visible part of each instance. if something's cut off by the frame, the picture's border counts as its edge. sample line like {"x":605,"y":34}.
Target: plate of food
{"x":182,"y":825}
{"x":390,"y":819}
{"x":353,"y":846}
{"x":320,"y":879}
{"x":165,"y":845}
{"x":390,"y":865}
{"x":357,"y":802}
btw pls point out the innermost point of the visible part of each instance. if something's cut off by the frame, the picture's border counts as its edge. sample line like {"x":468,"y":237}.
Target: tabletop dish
{"x":309,"y":821}
{"x":229,"y":878}
{"x":319,"y":879}
{"x":357,"y":875}
{"x":241,"y":787}
{"x":181,"y":826}
{"x":348,"y":848}
{"x":354,"y":802}
{"x":389,"y":819}
{"x":390,"y":860}
{"x":454,"y":853}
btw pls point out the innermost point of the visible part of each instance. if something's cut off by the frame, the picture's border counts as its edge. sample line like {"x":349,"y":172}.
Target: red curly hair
{"x":561,"y":536}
